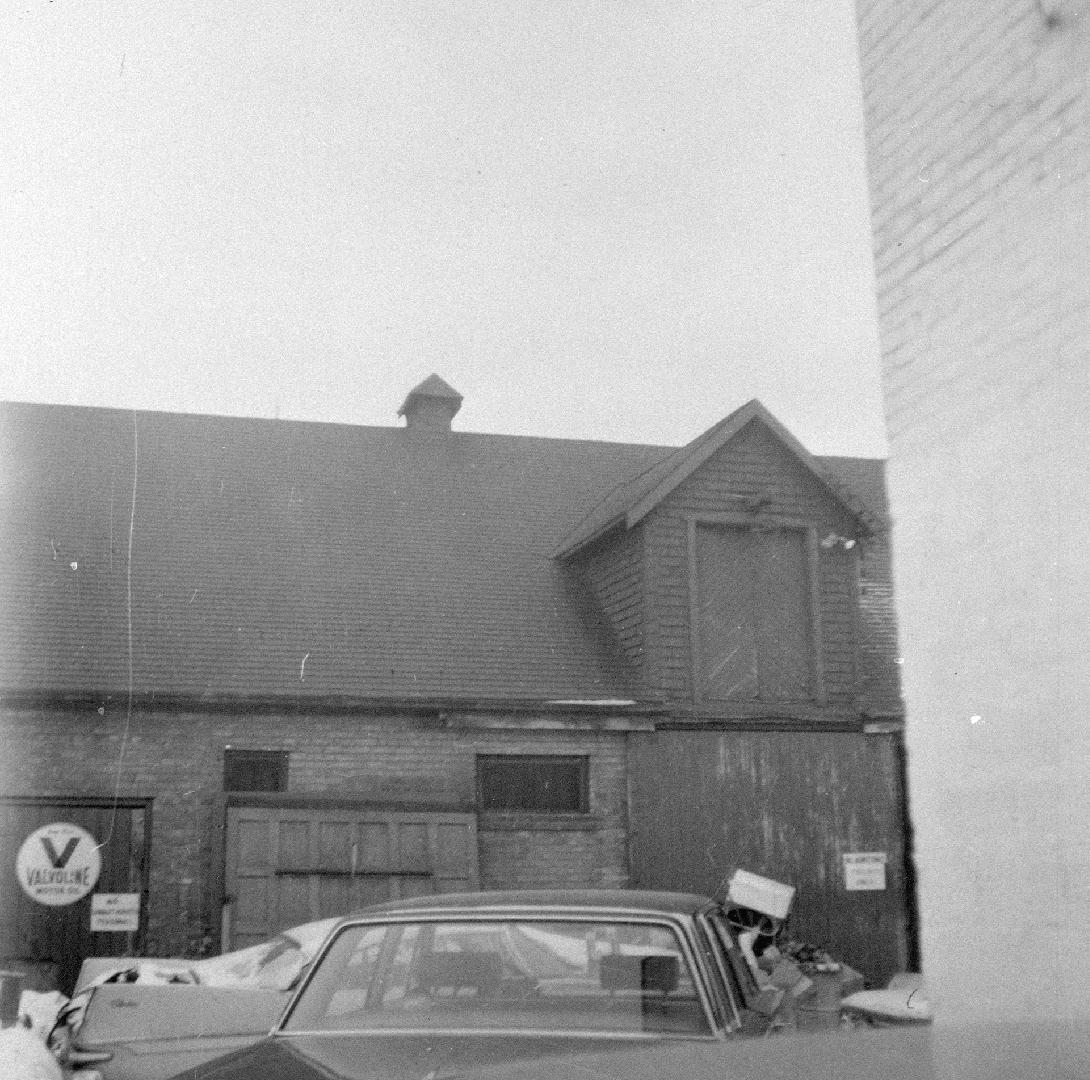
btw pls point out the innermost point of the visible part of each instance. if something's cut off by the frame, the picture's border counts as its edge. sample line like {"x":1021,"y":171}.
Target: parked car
{"x":145,"y":1018}
{"x":419,"y":987}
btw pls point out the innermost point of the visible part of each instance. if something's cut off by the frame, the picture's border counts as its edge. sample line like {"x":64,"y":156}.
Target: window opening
{"x":532,"y":783}
{"x":255,"y":770}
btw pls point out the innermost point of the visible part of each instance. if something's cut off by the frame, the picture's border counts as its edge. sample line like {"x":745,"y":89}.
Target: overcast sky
{"x":609,"y":219}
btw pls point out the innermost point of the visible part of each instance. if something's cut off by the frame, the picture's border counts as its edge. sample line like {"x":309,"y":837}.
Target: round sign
{"x":58,"y":864}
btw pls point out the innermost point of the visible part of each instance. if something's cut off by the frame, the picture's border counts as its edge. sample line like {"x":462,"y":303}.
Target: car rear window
{"x":511,"y":974}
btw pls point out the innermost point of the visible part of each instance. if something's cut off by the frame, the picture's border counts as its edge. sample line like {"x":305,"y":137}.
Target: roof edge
{"x":715,"y":438}
{"x":330,"y":704}
{"x":566,"y":549}
{"x":687,"y":459}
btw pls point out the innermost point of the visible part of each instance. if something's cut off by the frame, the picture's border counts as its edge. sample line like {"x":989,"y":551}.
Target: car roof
{"x":643,"y":901}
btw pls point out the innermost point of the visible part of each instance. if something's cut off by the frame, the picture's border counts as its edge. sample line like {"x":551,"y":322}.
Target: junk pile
{"x":811,"y":981}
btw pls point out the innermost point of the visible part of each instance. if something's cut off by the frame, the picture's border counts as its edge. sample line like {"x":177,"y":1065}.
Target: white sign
{"x":864,"y":870}
{"x":115,"y":913}
{"x":58,"y":864}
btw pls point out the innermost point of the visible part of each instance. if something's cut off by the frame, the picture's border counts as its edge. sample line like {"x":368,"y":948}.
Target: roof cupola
{"x":430,"y":406}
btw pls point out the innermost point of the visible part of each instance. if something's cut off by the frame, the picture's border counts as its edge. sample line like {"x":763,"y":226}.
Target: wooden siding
{"x":613,"y":570}
{"x":786,"y":805}
{"x":753,"y":466}
{"x":753,"y":627}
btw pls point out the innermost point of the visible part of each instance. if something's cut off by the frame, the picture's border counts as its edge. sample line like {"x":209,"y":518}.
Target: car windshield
{"x":510,"y":974}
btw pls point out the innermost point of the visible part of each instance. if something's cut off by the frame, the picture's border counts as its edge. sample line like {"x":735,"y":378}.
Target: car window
{"x":510,"y":974}
{"x":723,"y":1002}
{"x":742,"y":979}
{"x":342,"y":981}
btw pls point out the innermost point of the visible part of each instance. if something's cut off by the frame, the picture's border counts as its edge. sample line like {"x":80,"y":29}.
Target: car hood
{"x":893,"y":1054}
{"x":384,"y":1056}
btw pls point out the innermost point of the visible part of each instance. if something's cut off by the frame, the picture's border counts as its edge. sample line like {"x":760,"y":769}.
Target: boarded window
{"x":255,"y":770}
{"x":532,"y":783}
{"x":754,"y":619}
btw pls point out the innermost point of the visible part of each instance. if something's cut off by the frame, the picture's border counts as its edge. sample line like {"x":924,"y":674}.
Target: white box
{"x":760,"y":894}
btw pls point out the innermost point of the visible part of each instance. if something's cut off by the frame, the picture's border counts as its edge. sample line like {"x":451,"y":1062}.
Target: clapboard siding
{"x":613,"y":570}
{"x":754,"y":465}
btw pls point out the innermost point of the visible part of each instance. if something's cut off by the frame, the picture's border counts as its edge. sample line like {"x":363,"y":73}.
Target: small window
{"x":532,"y":783}
{"x":255,"y":770}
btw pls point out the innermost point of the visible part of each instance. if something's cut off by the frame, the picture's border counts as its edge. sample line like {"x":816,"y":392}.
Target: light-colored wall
{"x":979,"y":159}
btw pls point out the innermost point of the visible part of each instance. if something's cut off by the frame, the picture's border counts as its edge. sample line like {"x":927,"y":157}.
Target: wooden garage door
{"x":292,"y":864}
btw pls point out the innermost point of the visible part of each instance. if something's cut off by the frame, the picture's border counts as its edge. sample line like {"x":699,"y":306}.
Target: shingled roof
{"x":275,"y":559}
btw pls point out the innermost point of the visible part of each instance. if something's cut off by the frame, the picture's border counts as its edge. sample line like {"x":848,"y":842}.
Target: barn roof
{"x":277,"y":559}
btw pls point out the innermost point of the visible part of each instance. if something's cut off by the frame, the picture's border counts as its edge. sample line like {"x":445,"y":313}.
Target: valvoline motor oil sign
{"x":58,"y":864}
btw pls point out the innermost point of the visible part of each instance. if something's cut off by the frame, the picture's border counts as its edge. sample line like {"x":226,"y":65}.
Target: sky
{"x":603,"y":219}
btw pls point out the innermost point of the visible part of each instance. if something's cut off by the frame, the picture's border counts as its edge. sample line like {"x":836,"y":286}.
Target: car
{"x":461,"y":981}
{"x":145,"y":1019}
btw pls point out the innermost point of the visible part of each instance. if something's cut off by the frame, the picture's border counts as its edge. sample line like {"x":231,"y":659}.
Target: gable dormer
{"x":729,"y":572}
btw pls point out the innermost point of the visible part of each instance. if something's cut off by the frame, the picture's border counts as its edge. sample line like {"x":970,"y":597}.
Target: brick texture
{"x":178,"y":760}
{"x":979,"y":162}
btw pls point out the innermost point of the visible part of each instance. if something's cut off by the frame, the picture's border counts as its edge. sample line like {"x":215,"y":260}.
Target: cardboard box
{"x":761,"y":894}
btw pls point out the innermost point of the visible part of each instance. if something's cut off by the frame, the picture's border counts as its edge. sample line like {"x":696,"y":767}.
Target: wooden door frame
{"x":105,"y":802}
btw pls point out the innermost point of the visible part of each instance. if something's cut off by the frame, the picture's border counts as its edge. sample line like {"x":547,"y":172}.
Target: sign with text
{"x":864,"y":870}
{"x":58,"y":864}
{"x":115,"y":913}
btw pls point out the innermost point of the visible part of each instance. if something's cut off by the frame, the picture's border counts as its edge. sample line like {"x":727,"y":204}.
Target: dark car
{"x":425,"y":986}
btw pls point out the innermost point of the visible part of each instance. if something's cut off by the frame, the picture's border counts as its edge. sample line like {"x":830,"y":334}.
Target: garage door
{"x":295,"y":863}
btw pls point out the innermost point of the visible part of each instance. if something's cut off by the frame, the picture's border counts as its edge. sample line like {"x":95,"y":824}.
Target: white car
{"x":143,"y":1019}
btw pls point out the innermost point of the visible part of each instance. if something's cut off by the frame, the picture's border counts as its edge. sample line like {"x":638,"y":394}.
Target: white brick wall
{"x":979,"y":159}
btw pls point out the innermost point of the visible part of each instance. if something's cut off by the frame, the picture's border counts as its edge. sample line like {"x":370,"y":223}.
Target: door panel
{"x":49,"y":943}
{"x":291,"y":864}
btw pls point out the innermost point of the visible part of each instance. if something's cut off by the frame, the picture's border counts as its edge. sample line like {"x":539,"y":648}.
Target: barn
{"x":254,"y":672}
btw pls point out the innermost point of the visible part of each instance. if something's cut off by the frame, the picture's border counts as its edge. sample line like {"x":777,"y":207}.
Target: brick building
{"x":979,"y":161}
{"x":277,"y":670}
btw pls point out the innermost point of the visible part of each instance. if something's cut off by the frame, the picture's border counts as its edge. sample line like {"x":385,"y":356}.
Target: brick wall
{"x":178,"y":760}
{"x":979,"y":160}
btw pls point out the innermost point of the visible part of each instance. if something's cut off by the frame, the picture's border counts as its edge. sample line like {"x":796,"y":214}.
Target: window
{"x":255,"y":770}
{"x":504,"y":975}
{"x":532,"y":783}
{"x":754,"y":625}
